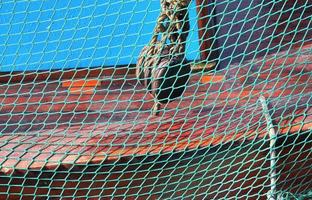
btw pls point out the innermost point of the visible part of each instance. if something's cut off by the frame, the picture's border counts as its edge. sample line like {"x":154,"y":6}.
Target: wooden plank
{"x":212,"y":78}
{"x":54,"y":126}
{"x":42,"y":76}
{"x":203,"y":67}
{"x":81,"y":83}
{"x":210,"y":173}
{"x":205,"y":33}
{"x":82,"y":90}
{"x":183,"y":133}
{"x":81,"y":100}
{"x":101,"y":101}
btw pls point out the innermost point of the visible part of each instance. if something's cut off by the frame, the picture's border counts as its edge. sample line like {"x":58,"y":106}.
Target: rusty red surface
{"x":44,"y":125}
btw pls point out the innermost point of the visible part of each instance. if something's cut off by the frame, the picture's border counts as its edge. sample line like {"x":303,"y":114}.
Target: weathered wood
{"x":214,"y":173}
{"x":205,"y":33}
{"x":81,"y":83}
{"x":24,"y":77}
{"x":101,"y":73}
{"x":173,"y":133}
{"x":44,"y":126}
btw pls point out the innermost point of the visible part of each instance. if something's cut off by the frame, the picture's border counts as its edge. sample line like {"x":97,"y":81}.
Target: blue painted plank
{"x":62,"y":34}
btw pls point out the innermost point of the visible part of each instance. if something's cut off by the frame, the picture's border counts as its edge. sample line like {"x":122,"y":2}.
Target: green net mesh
{"x":81,"y":116}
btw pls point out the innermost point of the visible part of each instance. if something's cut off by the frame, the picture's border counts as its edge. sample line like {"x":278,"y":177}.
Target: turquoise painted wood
{"x":60,"y":34}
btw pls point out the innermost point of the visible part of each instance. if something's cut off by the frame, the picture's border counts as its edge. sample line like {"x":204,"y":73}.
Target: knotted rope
{"x":166,"y":48}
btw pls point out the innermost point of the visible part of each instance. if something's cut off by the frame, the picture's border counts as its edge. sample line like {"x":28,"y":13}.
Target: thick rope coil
{"x":161,"y":66}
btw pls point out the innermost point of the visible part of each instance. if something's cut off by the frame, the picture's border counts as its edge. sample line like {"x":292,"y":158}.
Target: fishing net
{"x":169,"y":99}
